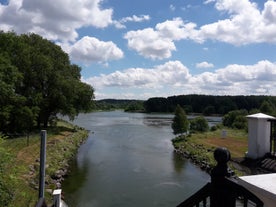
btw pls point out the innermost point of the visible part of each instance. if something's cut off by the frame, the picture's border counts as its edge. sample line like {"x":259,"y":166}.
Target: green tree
{"x":235,"y":117}
{"x":135,"y":106}
{"x":199,"y":124}
{"x":240,"y":122}
{"x":180,"y":122}
{"x":157,"y":104}
{"x":209,"y":110}
{"x":267,"y":107}
{"x":40,"y":83}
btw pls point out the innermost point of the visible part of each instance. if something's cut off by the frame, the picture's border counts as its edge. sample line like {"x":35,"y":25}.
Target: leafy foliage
{"x":180,"y":122}
{"x":208,"y":105}
{"x":267,"y":107}
{"x":135,"y":106}
{"x":235,"y":119}
{"x":113,"y":104}
{"x":5,"y":181}
{"x":37,"y":82}
{"x":199,"y":124}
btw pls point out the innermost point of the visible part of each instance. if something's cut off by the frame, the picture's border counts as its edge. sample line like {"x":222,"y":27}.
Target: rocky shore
{"x":203,"y":164}
{"x":242,"y":166}
{"x":60,"y":152}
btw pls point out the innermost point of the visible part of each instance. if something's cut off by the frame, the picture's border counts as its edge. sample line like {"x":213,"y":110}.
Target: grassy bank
{"x":199,"y":147}
{"x":21,"y":172}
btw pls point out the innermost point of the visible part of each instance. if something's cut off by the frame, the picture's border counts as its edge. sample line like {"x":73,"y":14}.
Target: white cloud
{"x":55,"y":20}
{"x":239,"y":79}
{"x":176,"y":29}
{"x":135,"y":18}
{"x":120,"y":24}
{"x":247,"y":24}
{"x":204,"y":65}
{"x":90,"y":49}
{"x":150,"y":44}
{"x":158,"y":43}
{"x":209,"y":1}
{"x":170,"y":73}
{"x":172,"y":7}
{"x":173,"y":78}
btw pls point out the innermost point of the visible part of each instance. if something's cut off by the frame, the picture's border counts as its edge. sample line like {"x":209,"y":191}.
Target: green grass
{"x":22,"y":171}
{"x":201,"y":146}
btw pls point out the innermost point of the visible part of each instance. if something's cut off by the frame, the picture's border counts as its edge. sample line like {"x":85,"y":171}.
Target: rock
{"x":50,"y":191}
{"x":58,"y":185}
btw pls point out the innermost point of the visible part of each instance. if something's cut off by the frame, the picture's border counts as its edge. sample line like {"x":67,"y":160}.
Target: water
{"x":128,"y":161}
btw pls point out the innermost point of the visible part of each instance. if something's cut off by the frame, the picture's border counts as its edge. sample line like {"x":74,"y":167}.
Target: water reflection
{"x":156,"y":121}
{"x":179,"y":162}
{"x":79,"y":174}
{"x":130,"y":161}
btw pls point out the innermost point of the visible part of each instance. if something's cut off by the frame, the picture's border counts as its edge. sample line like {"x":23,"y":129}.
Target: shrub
{"x":214,"y":128}
{"x":180,"y":138}
{"x":5,"y":180}
{"x":234,"y":119}
{"x":199,"y":124}
{"x":240,"y":122}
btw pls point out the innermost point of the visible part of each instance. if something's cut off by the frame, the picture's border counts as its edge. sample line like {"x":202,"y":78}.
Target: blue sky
{"x":158,"y":48}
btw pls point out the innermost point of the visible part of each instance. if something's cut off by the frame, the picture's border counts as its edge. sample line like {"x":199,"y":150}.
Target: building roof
{"x":260,"y":116}
{"x":261,"y":185}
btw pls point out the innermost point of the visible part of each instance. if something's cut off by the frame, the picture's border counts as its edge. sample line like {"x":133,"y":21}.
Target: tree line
{"x":208,"y":104}
{"x":37,"y":82}
{"x":125,"y":104}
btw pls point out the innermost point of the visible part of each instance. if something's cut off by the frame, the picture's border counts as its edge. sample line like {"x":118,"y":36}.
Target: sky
{"x":137,"y":49}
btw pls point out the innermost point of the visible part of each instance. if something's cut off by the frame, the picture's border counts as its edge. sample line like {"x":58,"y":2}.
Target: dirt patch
{"x":28,"y":154}
{"x":236,"y":147}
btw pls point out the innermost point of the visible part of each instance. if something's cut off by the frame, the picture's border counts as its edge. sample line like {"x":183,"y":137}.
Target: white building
{"x":259,"y":128}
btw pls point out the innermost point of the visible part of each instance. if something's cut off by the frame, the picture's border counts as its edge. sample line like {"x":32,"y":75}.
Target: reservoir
{"x":128,"y":161}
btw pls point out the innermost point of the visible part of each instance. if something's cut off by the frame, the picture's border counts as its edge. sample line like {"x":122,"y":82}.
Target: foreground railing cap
{"x":222,"y":155}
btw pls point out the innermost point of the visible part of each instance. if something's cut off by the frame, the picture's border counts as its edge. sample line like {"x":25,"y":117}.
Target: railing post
{"x":221,"y":195}
{"x":57,"y":198}
{"x":42,"y":163}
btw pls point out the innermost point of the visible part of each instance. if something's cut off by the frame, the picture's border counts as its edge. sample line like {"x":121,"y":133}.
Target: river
{"x":127,"y":161}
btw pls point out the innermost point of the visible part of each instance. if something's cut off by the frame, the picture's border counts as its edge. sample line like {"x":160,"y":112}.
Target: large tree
{"x":180,"y":122}
{"x":44,"y":82}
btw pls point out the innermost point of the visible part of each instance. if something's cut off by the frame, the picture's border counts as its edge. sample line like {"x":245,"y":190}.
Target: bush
{"x":199,"y":124}
{"x":235,"y":119}
{"x":214,"y":128}
{"x":240,"y":122}
{"x":5,"y":180}
{"x":179,"y":139}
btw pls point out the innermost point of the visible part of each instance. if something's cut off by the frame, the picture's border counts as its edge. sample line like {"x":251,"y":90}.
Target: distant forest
{"x":125,"y":104}
{"x":207,"y":104}
{"x":203,"y":104}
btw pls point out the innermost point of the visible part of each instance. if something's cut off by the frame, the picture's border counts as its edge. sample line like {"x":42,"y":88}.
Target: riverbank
{"x":63,"y":142}
{"x":199,"y":148}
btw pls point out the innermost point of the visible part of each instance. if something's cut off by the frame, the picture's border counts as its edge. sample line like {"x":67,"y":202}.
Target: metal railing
{"x":57,"y":202}
{"x":223,"y":190}
{"x":41,"y":203}
{"x":200,"y":198}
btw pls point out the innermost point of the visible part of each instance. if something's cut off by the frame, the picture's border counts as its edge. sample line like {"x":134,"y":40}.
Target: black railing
{"x":41,"y":203}
{"x":223,"y":190}
{"x":200,"y":198}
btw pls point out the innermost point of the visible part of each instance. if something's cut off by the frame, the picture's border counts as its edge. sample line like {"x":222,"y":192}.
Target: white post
{"x":57,"y":198}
